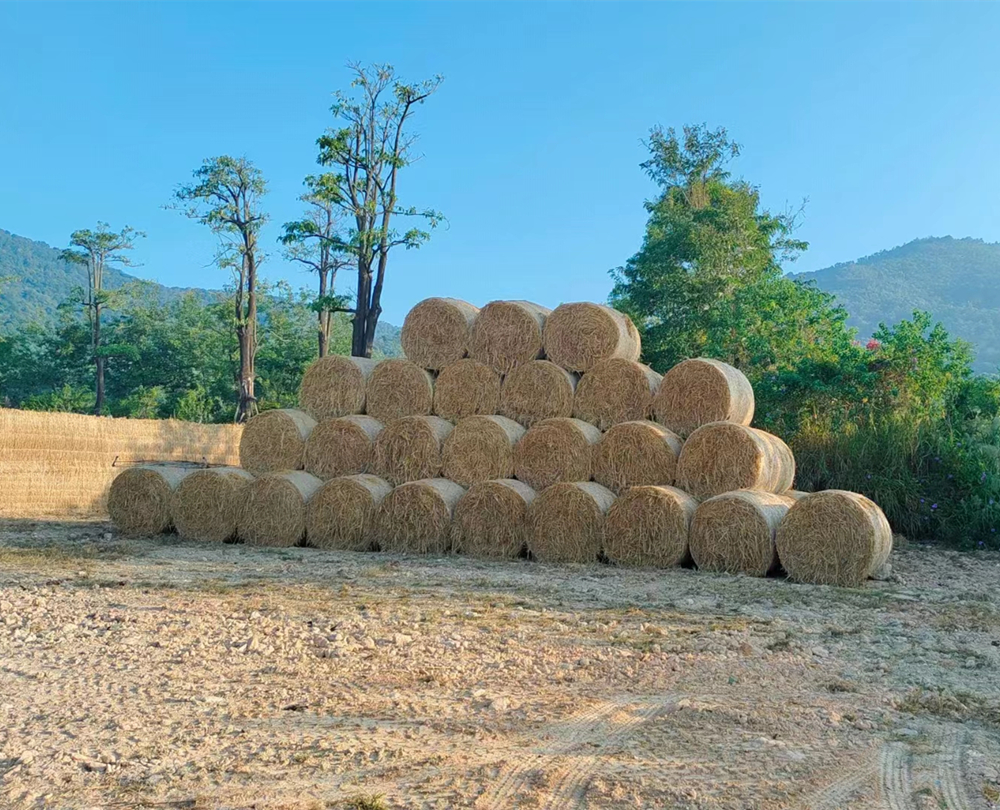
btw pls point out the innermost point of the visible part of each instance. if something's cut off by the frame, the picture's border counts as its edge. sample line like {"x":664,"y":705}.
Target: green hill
{"x":34,"y":281}
{"x":956,"y":280}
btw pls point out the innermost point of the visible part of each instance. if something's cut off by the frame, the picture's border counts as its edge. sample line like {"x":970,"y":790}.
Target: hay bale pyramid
{"x":518,"y":431}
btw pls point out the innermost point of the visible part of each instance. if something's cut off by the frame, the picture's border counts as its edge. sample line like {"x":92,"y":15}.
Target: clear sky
{"x":886,"y":117}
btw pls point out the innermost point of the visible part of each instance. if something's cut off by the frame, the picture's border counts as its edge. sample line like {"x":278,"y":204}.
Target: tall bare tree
{"x":226,"y":196}
{"x":318,"y":242}
{"x":99,"y":250}
{"x":368,"y":149}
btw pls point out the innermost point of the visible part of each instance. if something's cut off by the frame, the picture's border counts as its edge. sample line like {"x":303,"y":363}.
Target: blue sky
{"x":884,"y":116}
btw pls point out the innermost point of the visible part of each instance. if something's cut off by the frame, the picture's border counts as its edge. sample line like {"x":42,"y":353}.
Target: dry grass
{"x":436,"y":332}
{"x":508,"y":334}
{"x":491,"y":520}
{"x":341,"y":515}
{"x":480,"y":448}
{"x":699,"y":391}
{"x":335,"y":386}
{"x":723,"y":457}
{"x":274,"y":509}
{"x":60,"y":465}
{"x":415,"y":518}
{"x":579,"y":336}
{"x":466,"y":388}
{"x":398,"y":388}
{"x":614,"y":391}
{"x":342,"y":446}
{"x":538,"y":390}
{"x":410,"y":448}
{"x":554,"y":450}
{"x":567,"y":522}
{"x":648,"y":526}
{"x":833,"y":538}
{"x":734,"y":532}
{"x":274,"y":441}
{"x":635,"y":453}
{"x":206,"y":503}
{"x":140,"y":498}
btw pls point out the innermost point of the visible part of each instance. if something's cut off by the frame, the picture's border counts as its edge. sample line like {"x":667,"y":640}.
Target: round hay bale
{"x":139,"y":501}
{"x":341,"y":515}
{"x":409,"y":449}
{"x":648,"y":526}
{"x":615,"y":391}
{"x":631,"y":454}
{"x":415,"y":518}
{"x":335,"y":386}
{"x":734,"y":532}
{"x":723,"y":456}
{"x":398,"y":388}
{"x":343,"y":446}
{"x":507,"y":334}
{"x":834,"y":538}
{"x":436,"y":332}
{"x":274,"y":441}
{"x":479,"y":449}
{"x":699,"y":391}
{"x":274,"y":508}
{"x":466,"y":388}
{"x":491,"y":520}
{"x":579,"y":336}
{"x":566,"y":522}
{"x":554,"y":450}
{"x":537,"y":390}
{"x":207,"y":502}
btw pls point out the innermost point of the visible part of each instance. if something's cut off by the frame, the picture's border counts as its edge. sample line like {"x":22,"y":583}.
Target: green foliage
{"x":901,"y":418}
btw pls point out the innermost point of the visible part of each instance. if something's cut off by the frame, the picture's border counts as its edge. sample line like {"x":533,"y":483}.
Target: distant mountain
{"x":34,"y":281}
{"x":956,"y":280}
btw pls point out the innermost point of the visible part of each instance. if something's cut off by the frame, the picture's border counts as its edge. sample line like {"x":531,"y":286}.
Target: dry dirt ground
{"x":155,"y":673}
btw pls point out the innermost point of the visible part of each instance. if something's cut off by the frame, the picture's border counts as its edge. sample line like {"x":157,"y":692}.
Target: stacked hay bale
{"x":516,"y":431}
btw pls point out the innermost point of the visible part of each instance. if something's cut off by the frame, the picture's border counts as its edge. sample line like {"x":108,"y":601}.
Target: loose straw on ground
{"x":206,"y":503}
{"x":567,"y":522}
{"x":274,"y":508}
{"x":436,"y":332}
{"x":341,"y":515}
{"x":537,"y":390}
{"x":579,"y":336}
{"x":140,"y":498}
{"x":554,"y":450}
{"x":722,"y":457}
{"x":398,"y":388}
{"x":648,"y":526}
{"x":409,"y":449}
{"x":699,"y":391}
{"x":343,"y":446}
{"x":734,"y":532}
{"x":614,"y":391}
{"x":635,"y":453}
{"x":415,"y":518}
{"x":466,"y":388}
{"x":335,"y":386}
{"x":507,"y":334}
{"x":491,"y":519}
{"x":834,"y":538}
{"x":274,"y":441}
{"x":479,"y":449}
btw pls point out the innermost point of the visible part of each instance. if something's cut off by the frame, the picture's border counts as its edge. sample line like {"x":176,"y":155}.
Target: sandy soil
{"x":142,"y":673}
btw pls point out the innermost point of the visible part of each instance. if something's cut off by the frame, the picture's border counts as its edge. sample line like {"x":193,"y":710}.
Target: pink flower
{"x":873,"y":345}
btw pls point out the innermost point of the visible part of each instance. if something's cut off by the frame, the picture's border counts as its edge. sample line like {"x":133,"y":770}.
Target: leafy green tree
{"x":368,"y":148}
{"x":317,"y":241}
{"x":226,"y":195}
{"x":97,"y":250}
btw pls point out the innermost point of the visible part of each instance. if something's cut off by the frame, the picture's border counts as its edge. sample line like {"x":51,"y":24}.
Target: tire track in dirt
{"x":948,"y":770}
{"x":833,"y":796}
{"x":894,"y":779}
{"x":587,"y":728}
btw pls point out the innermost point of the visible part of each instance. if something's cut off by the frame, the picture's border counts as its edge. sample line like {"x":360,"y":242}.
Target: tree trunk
{"x":324,"y":317}
{"x":359,"y":337}
{"x":247,"y":335}
{"x":99,"y":361}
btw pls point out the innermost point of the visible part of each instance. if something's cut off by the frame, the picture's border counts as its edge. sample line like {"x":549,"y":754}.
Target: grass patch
{"x":374,"y":801}
{"x":956,"y":706}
